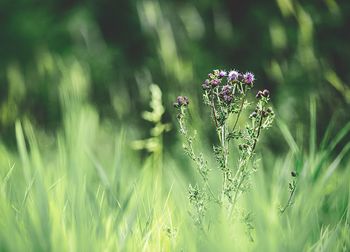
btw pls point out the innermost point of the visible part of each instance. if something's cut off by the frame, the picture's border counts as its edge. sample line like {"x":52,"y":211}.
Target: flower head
{"x":233,"y":75}
{"x":227,"y":89}
{"x":222,"y":74}
{"x":248,"y":78}
{"x":226,"y":93}
{"x":215,"y":82}
{"x":181,"y":101}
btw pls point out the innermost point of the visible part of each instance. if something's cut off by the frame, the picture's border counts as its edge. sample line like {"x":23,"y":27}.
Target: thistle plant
{"x":227,"y":96}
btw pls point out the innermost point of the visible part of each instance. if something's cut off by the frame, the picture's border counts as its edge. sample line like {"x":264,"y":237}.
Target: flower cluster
{"x":233,"y":77}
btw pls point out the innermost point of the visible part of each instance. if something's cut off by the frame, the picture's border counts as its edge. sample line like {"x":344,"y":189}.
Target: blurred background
{"x":297,"y":49}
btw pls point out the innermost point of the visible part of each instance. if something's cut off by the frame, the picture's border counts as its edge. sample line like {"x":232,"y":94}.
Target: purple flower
{"x":226,"y":93}
{"x":233,"y":75}
{"x":227,"y":89}
{"x":181,"y":101}
{"x":248,"y":77}
{"x":215,"y":82}
{"x":227,"y":98}
{"x":222,"y":74}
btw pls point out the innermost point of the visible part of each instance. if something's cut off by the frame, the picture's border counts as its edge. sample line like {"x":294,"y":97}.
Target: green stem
{"x":289,"y":202}
{"x":225,"y":169}
{"x":193,"y":156}
{"x":239,"y":113}
{"x":214,"y":112}
{"x":241,"y":170}
{"x":259,"y":129}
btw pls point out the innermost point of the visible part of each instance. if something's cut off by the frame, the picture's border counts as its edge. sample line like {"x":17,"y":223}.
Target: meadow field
{"x":91,"y":154}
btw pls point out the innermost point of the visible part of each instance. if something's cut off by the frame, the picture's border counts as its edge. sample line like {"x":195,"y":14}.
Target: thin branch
{"x":259,"y":129}
{"x":289,"y":202}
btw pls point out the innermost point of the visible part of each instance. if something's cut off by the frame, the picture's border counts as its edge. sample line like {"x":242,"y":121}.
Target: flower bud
{"x":259,"y":95}
{"x":253,"y":115}
{"x":215,"y":82}
{"x":181,"y":101}
{"x":227,"y":98}
{"x":206,"y":84}
{"x":266,"y":93}
{"x":226,"y":93}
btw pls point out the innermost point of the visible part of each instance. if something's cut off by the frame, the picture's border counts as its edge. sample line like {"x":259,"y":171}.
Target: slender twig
{"x":214,"y":112}
{"x":289,"y":202}
{"x":238,"y":188}
{"x":259,"y":128}
{"x":225,"y":168}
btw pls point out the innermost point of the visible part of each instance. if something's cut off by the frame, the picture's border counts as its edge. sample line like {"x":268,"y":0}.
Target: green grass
{"x":85,"y":189}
